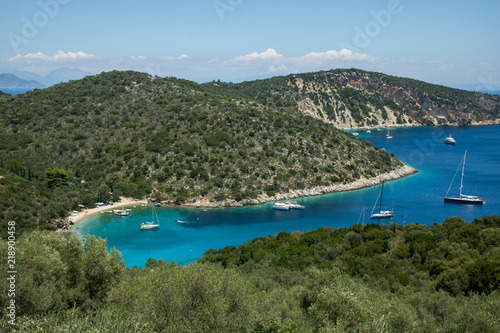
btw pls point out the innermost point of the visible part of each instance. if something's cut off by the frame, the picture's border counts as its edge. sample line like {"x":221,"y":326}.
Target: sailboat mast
{"x":381,"y":194}
{"x":363,"y":215}
{"x":463,"y":169}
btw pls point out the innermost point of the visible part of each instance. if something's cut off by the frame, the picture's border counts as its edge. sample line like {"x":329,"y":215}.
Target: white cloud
{"x":267,"y":55}
{"x":440,"y":65}
{"x":182,"y":56}
{"x":274,"y":70}
{"x":332,"y":55}
{"x":60,"y":56}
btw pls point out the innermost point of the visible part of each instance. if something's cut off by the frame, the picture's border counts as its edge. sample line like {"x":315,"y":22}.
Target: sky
{"x":453,"y":43}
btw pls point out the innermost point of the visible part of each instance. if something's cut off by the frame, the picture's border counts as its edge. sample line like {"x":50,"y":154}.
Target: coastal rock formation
{"x":355,"y":98}
{"x":401,"y":172}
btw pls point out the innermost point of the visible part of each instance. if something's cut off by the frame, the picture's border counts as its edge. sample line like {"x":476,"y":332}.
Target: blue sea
{"x":15,"y":91}
{"x":416,"y":199}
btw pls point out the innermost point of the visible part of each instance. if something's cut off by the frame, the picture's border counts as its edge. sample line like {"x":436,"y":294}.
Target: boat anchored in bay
{"x":449,"y":140}
{"x":462,"y":198}
{"x":151,"y":225}
{"x":381,"y":213}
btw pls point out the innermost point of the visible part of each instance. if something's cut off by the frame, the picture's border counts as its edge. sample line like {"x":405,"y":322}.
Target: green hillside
{"x":130,"y":134}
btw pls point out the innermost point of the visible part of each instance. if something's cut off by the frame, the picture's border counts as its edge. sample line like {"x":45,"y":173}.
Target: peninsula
{"x":129,"y":134}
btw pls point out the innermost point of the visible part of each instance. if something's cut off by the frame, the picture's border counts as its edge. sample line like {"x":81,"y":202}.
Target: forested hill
{"x":130,"y":134}
{"x":352,"y":98}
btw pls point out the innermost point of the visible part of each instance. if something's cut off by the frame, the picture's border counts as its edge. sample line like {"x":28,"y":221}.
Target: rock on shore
{"x":319,"y":190}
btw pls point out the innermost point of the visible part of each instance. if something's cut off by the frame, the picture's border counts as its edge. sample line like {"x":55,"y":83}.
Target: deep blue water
{"x":416,"y":199}
{"x":14,"y":91}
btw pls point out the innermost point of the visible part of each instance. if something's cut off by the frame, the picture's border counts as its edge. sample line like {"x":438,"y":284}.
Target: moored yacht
{"x":381,"y":213}
{"x":281,"y":206}
{"x":149,"y":225}
{"x":295,"y":205}
{"x":121,"y":212}
{"x":463,"y":198}
{"x":449,"y":140}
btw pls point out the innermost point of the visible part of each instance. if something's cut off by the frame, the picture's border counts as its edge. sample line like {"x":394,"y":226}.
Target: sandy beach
{"x":77,"y":217}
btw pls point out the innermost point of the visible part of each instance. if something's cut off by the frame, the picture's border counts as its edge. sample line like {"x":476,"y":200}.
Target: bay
{"x":416,"y":199}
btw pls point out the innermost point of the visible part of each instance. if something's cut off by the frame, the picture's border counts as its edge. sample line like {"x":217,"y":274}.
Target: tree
{"x":103,"y":192}
{"x":57,"y":177}
{"x":101,"y":270}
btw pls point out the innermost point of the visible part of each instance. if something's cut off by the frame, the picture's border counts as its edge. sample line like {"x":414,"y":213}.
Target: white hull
{"x":382,"y":215}
{"x":468,"y":199}
{"x":149,"y":226}
{"x":295,"y":205}
{"x":449,"y":140}
{"x":281,"y":206}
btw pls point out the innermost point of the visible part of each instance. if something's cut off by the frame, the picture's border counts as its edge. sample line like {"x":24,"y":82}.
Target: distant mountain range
{"x":13,"y":81}
{"x":63,"y":74}
{"x":17,"y":79}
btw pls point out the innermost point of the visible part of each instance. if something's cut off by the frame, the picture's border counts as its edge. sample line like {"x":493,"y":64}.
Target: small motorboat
{"x":449,"y":140}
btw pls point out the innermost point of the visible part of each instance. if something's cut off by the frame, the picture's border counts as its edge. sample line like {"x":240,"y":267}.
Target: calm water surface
{"x":416,"y":199}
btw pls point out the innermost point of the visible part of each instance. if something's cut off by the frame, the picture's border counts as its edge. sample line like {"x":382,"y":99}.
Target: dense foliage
{"x":414,"y":278}
{"x":129,"y":134}
{"x":455,"y":256}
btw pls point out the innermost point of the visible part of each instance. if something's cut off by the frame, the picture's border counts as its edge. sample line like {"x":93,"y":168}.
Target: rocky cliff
{"x":355,"y":98}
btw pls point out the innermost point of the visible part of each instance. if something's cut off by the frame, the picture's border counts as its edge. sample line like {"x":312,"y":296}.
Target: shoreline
{"x":399,"y":173}
{"x":396,"y":126}
{"x":359,"y":184}
{"x":73,"y":219}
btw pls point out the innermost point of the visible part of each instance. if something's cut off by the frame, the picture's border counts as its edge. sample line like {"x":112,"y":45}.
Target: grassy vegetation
{"x":414,"y":278}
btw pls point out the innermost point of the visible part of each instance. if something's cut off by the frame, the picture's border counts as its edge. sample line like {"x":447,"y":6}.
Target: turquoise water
{"x":416,"y":199}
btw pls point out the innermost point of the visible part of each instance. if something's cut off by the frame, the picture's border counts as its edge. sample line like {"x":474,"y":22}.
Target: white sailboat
{"x":282,"y":205}
{"x":462,"y":198}
{"x":152,"y":224}
{"x":381,"y":213}
{"x":388,"y":134}
{"x":295,"y":204}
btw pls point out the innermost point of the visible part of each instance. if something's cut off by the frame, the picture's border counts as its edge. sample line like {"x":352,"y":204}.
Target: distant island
{"x":9,"y":81}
